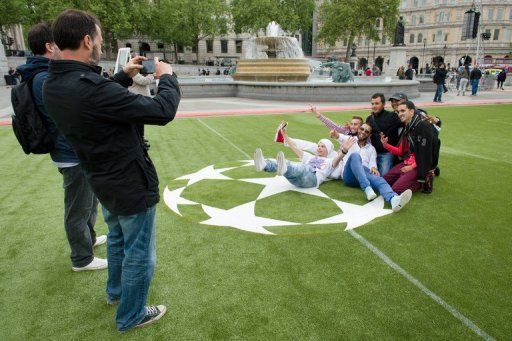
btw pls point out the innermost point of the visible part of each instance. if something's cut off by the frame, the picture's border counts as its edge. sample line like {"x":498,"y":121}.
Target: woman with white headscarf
{"x":311,"y":171}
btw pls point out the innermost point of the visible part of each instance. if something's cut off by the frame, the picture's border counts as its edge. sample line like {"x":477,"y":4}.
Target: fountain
{"x":272,"y":58}
{"x":273,"y":67}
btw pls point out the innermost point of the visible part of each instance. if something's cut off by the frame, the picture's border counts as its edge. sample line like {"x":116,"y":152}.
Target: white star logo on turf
{"x":356,"y":215}
{"x":173,"y":199}
{"x":279,"y":184}
{"x":206,"y":173}
{"x":241,"y":217}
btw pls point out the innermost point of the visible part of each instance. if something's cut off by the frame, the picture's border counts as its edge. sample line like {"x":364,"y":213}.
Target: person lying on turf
{"x":311,"y":171}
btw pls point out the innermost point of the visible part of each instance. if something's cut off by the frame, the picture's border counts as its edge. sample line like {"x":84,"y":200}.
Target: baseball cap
{"x":399,"y":96}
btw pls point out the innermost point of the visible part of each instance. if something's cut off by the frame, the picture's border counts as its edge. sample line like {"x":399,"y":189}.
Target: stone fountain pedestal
{"x":397,"y":58}
{"x":3,"y":64}
{"x":272,"y":70}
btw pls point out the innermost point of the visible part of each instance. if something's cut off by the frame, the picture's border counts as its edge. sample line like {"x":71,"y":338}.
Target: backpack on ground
{"x":27,"y":122}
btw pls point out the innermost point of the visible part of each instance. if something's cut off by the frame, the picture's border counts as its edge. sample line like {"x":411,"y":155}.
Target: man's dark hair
{"x":410,"y":105}
{"x":358,"y":118}
{"x":71,"y":26}
{"x":38,"y":36}
{"x":381,"y":96}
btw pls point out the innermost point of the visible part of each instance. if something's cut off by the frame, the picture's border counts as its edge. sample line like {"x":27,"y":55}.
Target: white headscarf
{"x":328,"y":144}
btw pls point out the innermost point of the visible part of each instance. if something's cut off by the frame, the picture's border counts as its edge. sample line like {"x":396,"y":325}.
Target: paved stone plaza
{"x":190,"y":107}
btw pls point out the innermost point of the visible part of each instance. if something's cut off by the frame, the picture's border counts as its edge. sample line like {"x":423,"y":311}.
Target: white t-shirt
{"x":367,"y":152}
{"x":321,"y":165}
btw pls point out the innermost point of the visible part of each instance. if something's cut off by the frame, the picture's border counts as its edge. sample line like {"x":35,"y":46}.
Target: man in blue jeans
{"x":474,"y":78}
{"x":103,"y":122}
{"x":359,"y":170}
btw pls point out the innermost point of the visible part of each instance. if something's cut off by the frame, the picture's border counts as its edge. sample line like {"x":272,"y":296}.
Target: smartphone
{"x":149,"y":66}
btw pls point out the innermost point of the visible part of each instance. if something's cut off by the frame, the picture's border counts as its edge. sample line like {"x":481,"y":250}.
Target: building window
{"x":415,"y":3}
{"x":194,"y":48}
{"x":223,"y":46}
{"x":411,"y":39}
{"x":413,"y":20}
{"x":420,"y":37}
{"x":404,"y":3}
{"x":180,"y":48}
{"x":433,"y":37}
{"x":490,"y":13}
{"x":499,"y":14}
{"x":238,"y":44}
{"x":440,"y":18}
{"x":383,"y":41}
{"x":345,"y":42}
{"x":422,"y":19}
{"x":508,"y":34}
{"x":209,"y":46}
{"x":448,"y":16}
{"x":446,"y":37}
{"x":439,"y":36}
{"x":496,"y":34}
{"x":510,"y":14}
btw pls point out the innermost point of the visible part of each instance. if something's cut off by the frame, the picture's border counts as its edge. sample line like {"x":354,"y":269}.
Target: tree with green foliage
{"x":186,"y":22}
{"x":342,"y":19}
{"x":254,"y":15}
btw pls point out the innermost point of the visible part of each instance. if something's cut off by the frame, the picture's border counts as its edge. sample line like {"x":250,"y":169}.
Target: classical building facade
{"x":433,"y":33}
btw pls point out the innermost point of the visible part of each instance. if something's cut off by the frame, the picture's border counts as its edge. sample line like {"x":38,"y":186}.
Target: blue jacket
{"x":63,"y":152}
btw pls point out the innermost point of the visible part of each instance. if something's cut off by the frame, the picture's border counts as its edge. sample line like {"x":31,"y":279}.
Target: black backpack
{"x":27,"y":123}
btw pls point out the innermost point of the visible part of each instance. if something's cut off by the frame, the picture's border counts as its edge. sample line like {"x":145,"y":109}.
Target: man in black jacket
{"x":474,"y":78}
{"x":423,"y":142}
{"x":102,"y":120}
{"x":386,"y":122}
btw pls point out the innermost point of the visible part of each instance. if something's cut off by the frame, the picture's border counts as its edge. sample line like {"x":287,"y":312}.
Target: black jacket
{"x":101,"y":119}
{"x":386,"y":122}
{"x":440,"y":76}
{"x":425,"y":145}
{"x":475,"y":74}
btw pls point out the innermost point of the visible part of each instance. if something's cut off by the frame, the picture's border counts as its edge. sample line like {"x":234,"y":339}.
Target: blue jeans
{"x":131,"y":255}
{"x":474,"y":86}
{"x":384,"y":162}
{"x":439,"y":92}
{"x":298,"y":174}
{"x":356,"y":175}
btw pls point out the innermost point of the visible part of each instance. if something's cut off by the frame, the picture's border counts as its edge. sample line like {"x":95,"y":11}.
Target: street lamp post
{"x":423,"y":57}
{"x":374,"y":53}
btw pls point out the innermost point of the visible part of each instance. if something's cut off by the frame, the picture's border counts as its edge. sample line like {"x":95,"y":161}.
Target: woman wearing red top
{"x":404,"y":175}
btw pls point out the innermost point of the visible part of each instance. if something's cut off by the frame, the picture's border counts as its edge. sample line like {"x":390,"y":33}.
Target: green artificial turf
{"x":306,"y":282}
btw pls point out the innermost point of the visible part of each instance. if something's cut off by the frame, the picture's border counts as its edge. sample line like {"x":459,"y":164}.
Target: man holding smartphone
{"x":101,"y":120}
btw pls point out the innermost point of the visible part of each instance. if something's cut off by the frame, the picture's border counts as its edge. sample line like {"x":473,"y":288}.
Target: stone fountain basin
{"x":298,"y":91}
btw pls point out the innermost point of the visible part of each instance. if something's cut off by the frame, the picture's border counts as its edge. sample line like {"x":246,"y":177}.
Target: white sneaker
{"x":100,"y":240}
{"x":399,"y":201}
{"x":259,"y":160}
{"x":370,"y":194}
{"x":96,"y":264}
{"x":281,"y":164}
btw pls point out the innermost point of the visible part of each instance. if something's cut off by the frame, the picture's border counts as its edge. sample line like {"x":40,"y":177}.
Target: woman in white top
{"x":311,"y":171}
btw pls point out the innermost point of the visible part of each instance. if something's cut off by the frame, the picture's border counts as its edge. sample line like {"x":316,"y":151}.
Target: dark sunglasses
{"x":365,"y":130}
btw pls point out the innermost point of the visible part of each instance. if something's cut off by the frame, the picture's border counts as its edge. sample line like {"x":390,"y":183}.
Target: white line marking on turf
{"x":225,"y":139}
{"x":453,"y":151}
{"x":458,"y":315}
{"x":500,"y":122}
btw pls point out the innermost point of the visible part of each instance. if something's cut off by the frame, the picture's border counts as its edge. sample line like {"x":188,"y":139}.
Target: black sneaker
{"x":153,"y":314}
{"x":428,"y":185}
{"x":437,"y":171}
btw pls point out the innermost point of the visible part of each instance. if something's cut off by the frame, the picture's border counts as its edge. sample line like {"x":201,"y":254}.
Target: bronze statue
{"x":341,"y":72}
{"x":399,"y":32}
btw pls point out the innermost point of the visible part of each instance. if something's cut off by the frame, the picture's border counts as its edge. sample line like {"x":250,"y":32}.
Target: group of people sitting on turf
{"x":393,"y":152}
